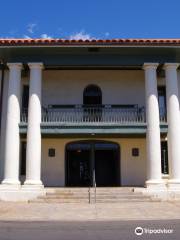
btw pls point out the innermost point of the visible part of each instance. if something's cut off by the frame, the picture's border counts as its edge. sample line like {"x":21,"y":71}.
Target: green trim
{"x":78,"y":56}
{"x":164,"y":128}
{"x":54,"y":129}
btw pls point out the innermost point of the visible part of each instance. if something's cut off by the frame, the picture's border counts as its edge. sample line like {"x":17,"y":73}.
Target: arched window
{"x":92,"y":95}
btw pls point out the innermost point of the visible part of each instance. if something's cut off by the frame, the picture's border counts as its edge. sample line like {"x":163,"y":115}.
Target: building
{"x":79,"y":113}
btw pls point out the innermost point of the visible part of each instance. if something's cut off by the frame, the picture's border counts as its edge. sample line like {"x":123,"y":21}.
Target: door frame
{"x":93,"y":142}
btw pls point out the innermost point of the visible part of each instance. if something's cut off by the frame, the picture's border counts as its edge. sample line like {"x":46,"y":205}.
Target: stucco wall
{"x":132,"y":170}
{"x":118,"y":87}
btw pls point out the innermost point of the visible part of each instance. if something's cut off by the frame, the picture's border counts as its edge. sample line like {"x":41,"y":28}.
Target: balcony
{"x":98,"y":115}
{"x":92,"y":119}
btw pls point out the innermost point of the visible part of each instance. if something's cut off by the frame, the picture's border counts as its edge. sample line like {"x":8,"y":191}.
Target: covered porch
{"x":53,"y":112}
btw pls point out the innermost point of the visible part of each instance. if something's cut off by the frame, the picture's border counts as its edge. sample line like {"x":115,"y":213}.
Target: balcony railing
{"x":104,"y":114}
{"x":81,"y":114}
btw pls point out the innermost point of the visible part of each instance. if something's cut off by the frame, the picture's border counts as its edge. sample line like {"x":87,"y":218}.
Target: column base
{"x":33,"y":184}
{"x":173,"y":185}
{"x":156,"y":185}
{"x":10,"y":184}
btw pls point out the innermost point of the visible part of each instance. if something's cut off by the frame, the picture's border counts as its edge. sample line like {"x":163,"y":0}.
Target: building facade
{"x":85,"y":113}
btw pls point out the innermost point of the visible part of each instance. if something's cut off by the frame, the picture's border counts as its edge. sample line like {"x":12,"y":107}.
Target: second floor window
{"x":92,"y":95}
{"x":25,"y":97}
{"x":162,"y":101}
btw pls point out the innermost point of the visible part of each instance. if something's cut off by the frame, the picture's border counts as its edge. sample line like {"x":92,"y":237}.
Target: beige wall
{"x":53,"y":168}
{"x":118,"y":87}
{"x":132,"y":171}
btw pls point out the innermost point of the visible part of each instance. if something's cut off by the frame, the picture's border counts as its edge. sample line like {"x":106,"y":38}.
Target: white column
{"x":33,"y":154}
{"x":3,"y":122}
{"x":0,"y":81}
{"x":1,"y":160}
{"x":153,"y":147}
{"x":173,"y":124}
{"x":12,"y":140}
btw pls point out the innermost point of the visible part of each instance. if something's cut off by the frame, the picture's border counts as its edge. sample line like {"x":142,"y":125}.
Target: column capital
{"x":171,"y":65}
{"x":36,"y":65}
{"x":15,"y":65}
{"x":150,"y":65}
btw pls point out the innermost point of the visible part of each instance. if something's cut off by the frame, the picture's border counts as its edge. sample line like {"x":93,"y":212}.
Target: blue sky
{"x":90,"y":19}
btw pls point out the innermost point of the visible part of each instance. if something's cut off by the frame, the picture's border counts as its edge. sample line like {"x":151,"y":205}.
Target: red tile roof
{"x":31,"y":42}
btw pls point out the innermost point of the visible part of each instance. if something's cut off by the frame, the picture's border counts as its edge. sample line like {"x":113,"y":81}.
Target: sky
{"x":90,"y":19}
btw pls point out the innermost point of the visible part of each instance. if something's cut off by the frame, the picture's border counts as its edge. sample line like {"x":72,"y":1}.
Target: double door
{"x":90,"y":163}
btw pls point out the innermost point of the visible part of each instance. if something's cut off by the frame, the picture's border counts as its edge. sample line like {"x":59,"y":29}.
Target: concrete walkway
{"x":89,"y":212}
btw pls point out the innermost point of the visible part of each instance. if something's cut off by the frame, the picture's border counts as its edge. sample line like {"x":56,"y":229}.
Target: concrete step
{"x":41,"y":200}
{"x":125,"y":200}
{"x":62,"y":196}
{"x":78,"y":190}
{"x":103,"y":195}
{"x":92,"y":201}
{"x":116,"y":193}
{"x":93,"y":194}
{"x":67,"y":193}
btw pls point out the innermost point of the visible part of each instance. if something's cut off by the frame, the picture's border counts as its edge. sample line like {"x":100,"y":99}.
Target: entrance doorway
{"x":92,"y":162}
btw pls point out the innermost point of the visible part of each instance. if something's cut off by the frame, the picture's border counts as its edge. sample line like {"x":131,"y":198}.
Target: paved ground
{"x":89,"y":221}
{"x":91,"y":230}
{"x":86,"y":212}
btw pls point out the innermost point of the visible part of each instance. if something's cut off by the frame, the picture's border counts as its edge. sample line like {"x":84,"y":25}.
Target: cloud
{"x":80,"y":35}
{"x":44,"y":35}
{"x":31,"y":27}
{"x":107,"y":34}
{"x":26,"y":36}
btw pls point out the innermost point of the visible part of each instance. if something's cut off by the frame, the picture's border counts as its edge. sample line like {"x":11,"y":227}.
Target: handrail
{"x":95,"y":192}
{"x":94,"y":185}
{"x":103,"y":114}
{"x":89,"y":194}
{"x":85,"y":114}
